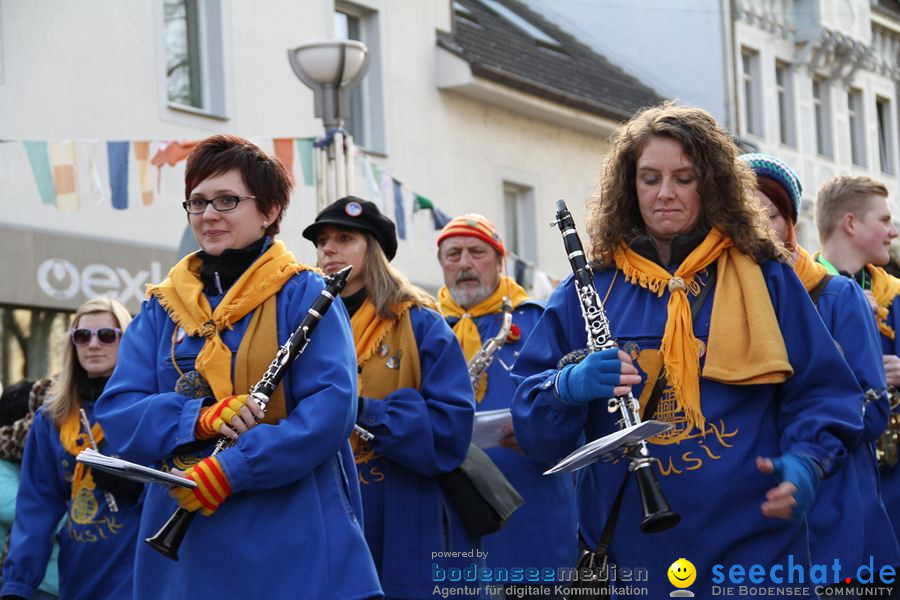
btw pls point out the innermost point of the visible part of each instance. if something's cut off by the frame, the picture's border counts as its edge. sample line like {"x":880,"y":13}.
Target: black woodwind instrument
{"x":168,"y":539}
{"x":657,"y":514}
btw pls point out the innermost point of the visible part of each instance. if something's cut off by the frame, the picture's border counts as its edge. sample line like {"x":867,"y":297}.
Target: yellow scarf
{"x":885,"y":287}
{"x":745,"y":345}
{"x":181,"y":295}
{"x":74,"y":440}
{"x":466,"y":330}
{"x":810,"y":272}
{"x":370,"y":329}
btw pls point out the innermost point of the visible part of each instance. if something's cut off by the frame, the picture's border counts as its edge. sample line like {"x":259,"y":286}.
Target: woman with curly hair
{"x":752,"y":383}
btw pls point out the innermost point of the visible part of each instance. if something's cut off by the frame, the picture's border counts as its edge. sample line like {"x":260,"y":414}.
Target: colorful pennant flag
{"x":399,"y":212}
{"x":117,"y":153}
{"x":39,"y":159}
{"x":141,"y":159}
{"x":62,"y":159}
{"x":284,"y":151}
{"x":304,"y":151}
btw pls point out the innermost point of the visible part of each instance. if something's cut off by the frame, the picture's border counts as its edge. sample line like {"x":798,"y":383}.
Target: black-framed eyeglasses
{"x":105,"y":335}
{"x":197,"y":206}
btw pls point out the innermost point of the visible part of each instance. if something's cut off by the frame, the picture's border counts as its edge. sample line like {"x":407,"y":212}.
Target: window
{"x":194,"y":69}
{"x":885,"y":136}
{"x":752,"y":98}
{"x":365,"y":122}
{"x":519,"y":232}
{"x":784,"y":84}
{"x":855,"y":119}
{"x":822,"y":106}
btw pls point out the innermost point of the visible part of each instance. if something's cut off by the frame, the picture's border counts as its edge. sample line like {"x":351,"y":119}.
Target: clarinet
{"x":168,"y":539}
{"x":482,"y":359}
{"x":657,"y":514}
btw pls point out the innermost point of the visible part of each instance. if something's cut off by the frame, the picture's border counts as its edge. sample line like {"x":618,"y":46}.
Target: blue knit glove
{"x":593,"y":378}
{"x":803,"y":472}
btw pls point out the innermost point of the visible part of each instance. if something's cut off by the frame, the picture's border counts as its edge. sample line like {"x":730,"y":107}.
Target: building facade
{"x":814,"y":82}
{"x":92,"y":92}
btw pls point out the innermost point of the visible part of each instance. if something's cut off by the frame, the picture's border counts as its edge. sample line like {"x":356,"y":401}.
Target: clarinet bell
{"x":657,"y":514}
{"x":168,"y":539}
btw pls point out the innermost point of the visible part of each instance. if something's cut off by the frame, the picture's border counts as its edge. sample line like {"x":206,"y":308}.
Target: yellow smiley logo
{"x":682,"y":573}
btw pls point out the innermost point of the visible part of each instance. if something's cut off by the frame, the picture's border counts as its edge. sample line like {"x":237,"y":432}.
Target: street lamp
{"x":331,"y":68}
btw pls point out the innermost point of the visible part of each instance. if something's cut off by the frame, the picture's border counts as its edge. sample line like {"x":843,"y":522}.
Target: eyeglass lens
{"x":106,"y":335}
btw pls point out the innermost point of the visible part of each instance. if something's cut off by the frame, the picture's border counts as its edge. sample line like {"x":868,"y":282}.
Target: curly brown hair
{"x":725,"y":185}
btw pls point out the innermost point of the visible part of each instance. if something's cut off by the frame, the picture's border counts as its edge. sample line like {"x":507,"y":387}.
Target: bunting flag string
{"x":55,"y":170}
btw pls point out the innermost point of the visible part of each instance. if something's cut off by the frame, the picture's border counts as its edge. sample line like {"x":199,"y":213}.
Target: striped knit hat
{"x":473,"y":225}
{"x":765,"y":165}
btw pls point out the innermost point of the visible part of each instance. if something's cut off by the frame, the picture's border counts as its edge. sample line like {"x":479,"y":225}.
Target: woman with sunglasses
{"x":101,"y":513}
{"x":281,"y":505}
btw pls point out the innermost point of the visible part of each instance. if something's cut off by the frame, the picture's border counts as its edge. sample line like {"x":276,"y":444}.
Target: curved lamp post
{"x":331,"y":68}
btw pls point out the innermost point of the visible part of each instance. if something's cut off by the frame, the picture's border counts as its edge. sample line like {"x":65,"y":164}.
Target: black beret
{"x":355,"y":213}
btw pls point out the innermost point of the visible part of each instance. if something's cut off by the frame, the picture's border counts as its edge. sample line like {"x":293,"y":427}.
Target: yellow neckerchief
{"x":809,"y":271}
{"x":745,"y":344}
{"x":884,"y":287}
{"x":370,"y":329}
{"x":181,"y":295}
{"x":74,"y":440}
{"x":466,"y":330}
{"x":375,"y":379}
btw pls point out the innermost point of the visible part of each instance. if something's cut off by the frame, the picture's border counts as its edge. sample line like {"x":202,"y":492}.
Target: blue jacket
{"x":849,"y":521}
{"x":542,"y":532}
{"x":292,"y":522}
{"x":890,"y":477}
{"x":710,"y":478}
{"x":419,"y":434}
{"x":96,"y":545}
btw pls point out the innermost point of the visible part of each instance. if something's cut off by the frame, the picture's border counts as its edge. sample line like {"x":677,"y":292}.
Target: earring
{"x":265,"y":223}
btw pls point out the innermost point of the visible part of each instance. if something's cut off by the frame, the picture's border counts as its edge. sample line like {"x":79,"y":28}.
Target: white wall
{"x":93,"y":70}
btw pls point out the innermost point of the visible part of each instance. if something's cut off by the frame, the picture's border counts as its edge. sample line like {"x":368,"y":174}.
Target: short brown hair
{"x":841,"y":195}
{"x":726,"y":186}
{"x":263,"y":174}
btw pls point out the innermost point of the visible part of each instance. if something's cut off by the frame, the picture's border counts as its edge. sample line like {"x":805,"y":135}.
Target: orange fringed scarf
{"x":181,"y":295}
{"x":885,"y":287}
{"x":74,"y":440}
{"x":745,"y":345}
{"x":809,"y":271}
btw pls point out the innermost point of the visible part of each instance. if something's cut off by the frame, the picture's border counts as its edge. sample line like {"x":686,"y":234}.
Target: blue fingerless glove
{"x":803,"y":472}
{"x":593,"y":378}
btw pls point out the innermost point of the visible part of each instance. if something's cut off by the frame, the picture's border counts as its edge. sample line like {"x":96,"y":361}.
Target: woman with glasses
{"x":100,"y":514}
{"x":282,"y":504}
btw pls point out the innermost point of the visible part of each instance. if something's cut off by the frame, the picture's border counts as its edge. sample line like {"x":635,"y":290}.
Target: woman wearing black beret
{"x":415,"y":398}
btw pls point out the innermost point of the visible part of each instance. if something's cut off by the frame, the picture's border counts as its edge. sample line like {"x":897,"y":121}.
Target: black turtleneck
{"x":220,"y":272}
{"x":90,"y":389}
{"x":355,"y":300}
{"x":681,"y":246}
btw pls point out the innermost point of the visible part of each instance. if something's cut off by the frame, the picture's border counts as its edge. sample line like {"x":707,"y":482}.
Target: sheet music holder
{"x":130,"y":470}
{"x":609,"y":447}
{"x":487,"y":428}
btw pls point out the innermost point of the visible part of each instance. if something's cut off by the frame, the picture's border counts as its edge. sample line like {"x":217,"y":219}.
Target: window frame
{"x":520,"y":223}
{"x":754,"y":122}
{"x":787,"y":130}
{"x":856,"y":125}
{"x":209,"y":48}
{"x":822,"y":116}
{"x":369,"y":93}
{"x":884,"y":118}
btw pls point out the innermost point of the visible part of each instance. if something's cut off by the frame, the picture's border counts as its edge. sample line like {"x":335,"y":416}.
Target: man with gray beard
{"x":542,"y":533}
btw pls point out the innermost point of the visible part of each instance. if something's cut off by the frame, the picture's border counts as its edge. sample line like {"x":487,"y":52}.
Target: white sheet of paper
{"x":130,"y":470}
{"x":487,"y":429}
{"x":604,"y":448}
